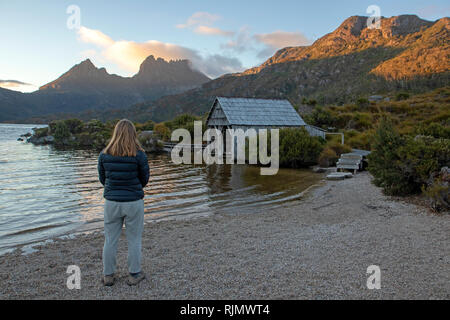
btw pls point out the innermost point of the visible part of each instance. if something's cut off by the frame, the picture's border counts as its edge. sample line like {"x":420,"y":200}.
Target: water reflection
{"x":46,"y":193}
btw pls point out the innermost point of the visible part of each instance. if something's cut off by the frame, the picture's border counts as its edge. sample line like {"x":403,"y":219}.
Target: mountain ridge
{"x":86,"y":87}
{"x":406,"y":53}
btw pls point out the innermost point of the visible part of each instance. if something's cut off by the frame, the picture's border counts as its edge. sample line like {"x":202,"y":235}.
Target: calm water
{"x":46,"y":193}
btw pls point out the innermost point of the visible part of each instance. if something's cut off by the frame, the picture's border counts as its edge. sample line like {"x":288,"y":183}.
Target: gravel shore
{"x":315,"y":248}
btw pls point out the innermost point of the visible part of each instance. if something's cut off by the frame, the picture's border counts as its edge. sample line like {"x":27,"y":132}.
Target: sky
{"x":40,"y":40}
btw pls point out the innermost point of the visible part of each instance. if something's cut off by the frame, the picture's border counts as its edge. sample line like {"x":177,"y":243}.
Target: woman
{"x":123,"y":170}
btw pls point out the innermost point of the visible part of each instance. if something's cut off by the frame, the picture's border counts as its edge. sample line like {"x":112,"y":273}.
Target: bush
{"x":40,"y":132}
{"x":298,"y":148}
{"x":310,"y":102}
{"x":85,"y":139}
{"x":60,"y":131}
{"x":435,"y":130}
{"x":360,"y":121}
{"x":401,"y":165}
{"x":328,"y":157}
{"x":320,"y":117}
{"x":339,"y":148}
{"x":163,"y":131}
{"x":402,"y":96}
{"x":149,"y":142}
{"x":422,"y":156}
{"x":74,"y":125}
{"x":362,"y":102}
{"x":342,"y":119}
{"x":438,"y":190}
{"x":361,"y":140}
{"x":147,"y":126}
{"x":384,"y":160}
{"x":94,"y":126}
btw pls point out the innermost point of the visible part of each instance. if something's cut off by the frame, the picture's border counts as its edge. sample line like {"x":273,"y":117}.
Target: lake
{"x":47,"y":193}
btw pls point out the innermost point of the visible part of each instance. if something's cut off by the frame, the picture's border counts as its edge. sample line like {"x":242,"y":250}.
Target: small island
{"x":93,"y":135}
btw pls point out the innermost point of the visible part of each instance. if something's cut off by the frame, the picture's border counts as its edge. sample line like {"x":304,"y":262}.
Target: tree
{"x":384,"y":160}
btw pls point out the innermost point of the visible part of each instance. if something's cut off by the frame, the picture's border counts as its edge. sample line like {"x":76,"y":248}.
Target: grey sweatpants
{"x":116,"y":214}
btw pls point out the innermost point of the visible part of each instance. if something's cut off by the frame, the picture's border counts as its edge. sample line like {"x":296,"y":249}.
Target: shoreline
{"x":315,"y":248}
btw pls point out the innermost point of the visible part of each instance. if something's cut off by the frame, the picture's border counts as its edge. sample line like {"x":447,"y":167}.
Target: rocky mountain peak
{"x":85,"y":66}
{"x":402,"y":25}
{"x":351,"y":26}
{"x":80,"y":74}
{"x":160,"y":71}
{"x":390,"y":27}
{"x":152,"y":64}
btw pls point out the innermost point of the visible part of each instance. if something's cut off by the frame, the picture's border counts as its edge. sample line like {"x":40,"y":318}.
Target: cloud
{"x":242,"y":42}
{"x":219,"y":65}
{"x":434,"y":11}
{"x":95,"y":36}
{"x":17,"y":85}
{"x":266,"y":44}
{"x":279,"y":39}
{"x":282,"y":39}
{"x":129,"y":55}
{"x":201,"y":23}
{"x":13,"y":83}
{"x":213,"y":31}
{"x":200,"y":18}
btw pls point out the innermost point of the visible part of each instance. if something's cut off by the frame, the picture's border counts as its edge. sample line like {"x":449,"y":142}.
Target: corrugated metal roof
{"x":260,"y":112}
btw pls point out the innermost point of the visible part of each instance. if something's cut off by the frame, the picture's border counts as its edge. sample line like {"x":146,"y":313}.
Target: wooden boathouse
{"x":245,"y":113}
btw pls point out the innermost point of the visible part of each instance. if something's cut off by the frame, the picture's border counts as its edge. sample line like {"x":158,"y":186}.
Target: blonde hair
{"x":124,"y":142}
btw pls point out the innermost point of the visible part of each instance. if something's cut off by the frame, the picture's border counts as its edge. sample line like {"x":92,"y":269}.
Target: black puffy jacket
{"x":123,"y":177}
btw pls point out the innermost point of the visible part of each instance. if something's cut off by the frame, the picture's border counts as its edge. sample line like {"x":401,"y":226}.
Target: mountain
{"x":84,"y":76}
{"x":406,"y":53}
{"x":10,"y":102}
{"x":353,"y":61}
{"x":86,"y":87}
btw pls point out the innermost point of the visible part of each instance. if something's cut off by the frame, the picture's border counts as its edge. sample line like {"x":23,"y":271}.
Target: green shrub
{"x":310,"y":102}
{"x":362,"y":102}
{"x":163,"y":131}
{"x":94,"y":126}
{"x":402,"y":96}
{"x":184,"y":121}
{"x":339,"y":148}
{"x":40,"y":132}
{"x":361,"y":140}
{"x":384,"y":160}
{"x":320,"y":117}
{"x":401,"y":165}
{"x":422,"y":156}
{"x":328,"y":157}
{"x":438,"y":191}
{"x":298,"y":148}
{"x":60,"y":131}
{"x":85,"y":139}
{"x":435,"y":130}
{"x":342,"y":119}
{"x":360,"y":121}
{"x":146,"y":126}
{"x":74,"y":125}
